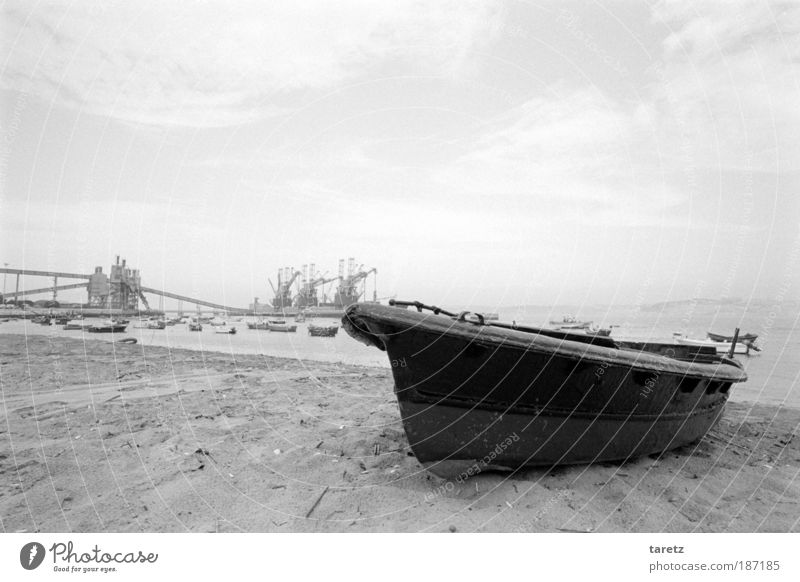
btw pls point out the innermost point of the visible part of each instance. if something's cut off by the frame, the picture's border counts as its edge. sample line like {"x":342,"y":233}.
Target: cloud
{"x":223,"y":63}
{"x":729,"y":83}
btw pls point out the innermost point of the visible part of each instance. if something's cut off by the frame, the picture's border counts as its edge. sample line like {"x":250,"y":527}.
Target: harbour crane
{"x":348,"y":291}
{"x":308,"y":292}
{"x":283,"y":293}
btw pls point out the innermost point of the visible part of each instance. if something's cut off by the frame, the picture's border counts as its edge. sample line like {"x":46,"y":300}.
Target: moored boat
{"x":107,"y":327}
{"x":494,"y":395}
{"x":281,"y":325}
{"x":315,"y":330}
{"x":195,"y":326}
{"x":569,"y":322}
{"x":262,"y":325}
{"x":744,"y":337}
{"x":743,"y":347}
{"x":599,"y":331}
{"x":226,"y":330}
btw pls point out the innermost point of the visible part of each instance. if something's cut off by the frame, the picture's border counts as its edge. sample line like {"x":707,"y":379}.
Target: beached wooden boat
{"x":322,"y":330}
{"x":107,"y":327}
{"x":281,"y":325}
{"x":493,"y":395}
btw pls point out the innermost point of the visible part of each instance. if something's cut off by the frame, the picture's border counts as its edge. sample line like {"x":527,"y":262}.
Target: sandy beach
{"x":100,"y":436}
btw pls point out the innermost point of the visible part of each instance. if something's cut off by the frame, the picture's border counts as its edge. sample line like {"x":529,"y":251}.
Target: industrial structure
{"x":307,"y":295}
{"x":283,"y":292}
{"x":351,"y":288}
{"x":121,"y":290}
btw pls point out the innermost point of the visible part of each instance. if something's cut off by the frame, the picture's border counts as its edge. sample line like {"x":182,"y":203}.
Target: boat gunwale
{"x":508,"y":338}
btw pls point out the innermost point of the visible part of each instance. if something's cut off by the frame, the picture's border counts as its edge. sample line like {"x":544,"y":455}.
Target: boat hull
{"x":329,"y":331}
{"x":745,"y":337}
{"x":447,"y":438}
{"x":283,"y":328}
{"x":107,"y":329}
{"x":464,"y":390}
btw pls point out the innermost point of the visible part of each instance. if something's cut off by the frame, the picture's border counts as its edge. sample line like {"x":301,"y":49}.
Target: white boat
{"x":281,"y":325}
{"x":569,"y":322}
{"x":742,"y":348}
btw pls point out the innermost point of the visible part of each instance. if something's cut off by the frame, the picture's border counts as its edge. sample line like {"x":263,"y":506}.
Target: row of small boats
{"x":119,"y":326}
{"x":478,"y":395}
{"x":281,"y":325}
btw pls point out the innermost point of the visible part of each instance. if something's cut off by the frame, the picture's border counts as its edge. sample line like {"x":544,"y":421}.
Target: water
{"x":297,"y":346}
{"x":774,"y":373}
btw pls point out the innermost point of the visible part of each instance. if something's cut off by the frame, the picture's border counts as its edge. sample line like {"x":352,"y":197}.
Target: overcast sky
{"x":473,"y":152}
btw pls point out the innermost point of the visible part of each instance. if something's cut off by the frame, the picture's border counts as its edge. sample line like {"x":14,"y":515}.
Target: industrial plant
{"x":121,"y":291}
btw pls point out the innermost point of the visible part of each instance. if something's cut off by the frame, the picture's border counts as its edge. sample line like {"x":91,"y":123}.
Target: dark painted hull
{"x":108,"y":329}
{"x":464,"y":390}
{"x":745,"y":337}
{"x":326,"y":331}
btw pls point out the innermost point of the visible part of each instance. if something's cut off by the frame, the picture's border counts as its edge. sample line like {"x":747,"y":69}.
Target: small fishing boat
{"x":742,"y":347}
{"x":745,"y":337}
{"x":476,"y":395}
{"x":599,"y":331}
{"x":77,"y":324}
{"x":107,"y":327}
{"x":217,"y":322}
{"x":195,"y":326}
{"x":152,"y":324}
{"x":569,"y":322}
{"x":281,"y":325}
{"x":226,"y":330}
{"x":315,"y":330}
{"x":262,"y":325}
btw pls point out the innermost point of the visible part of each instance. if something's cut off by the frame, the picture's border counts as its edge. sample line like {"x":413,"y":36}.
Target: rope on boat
{"x":462,"y":316}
